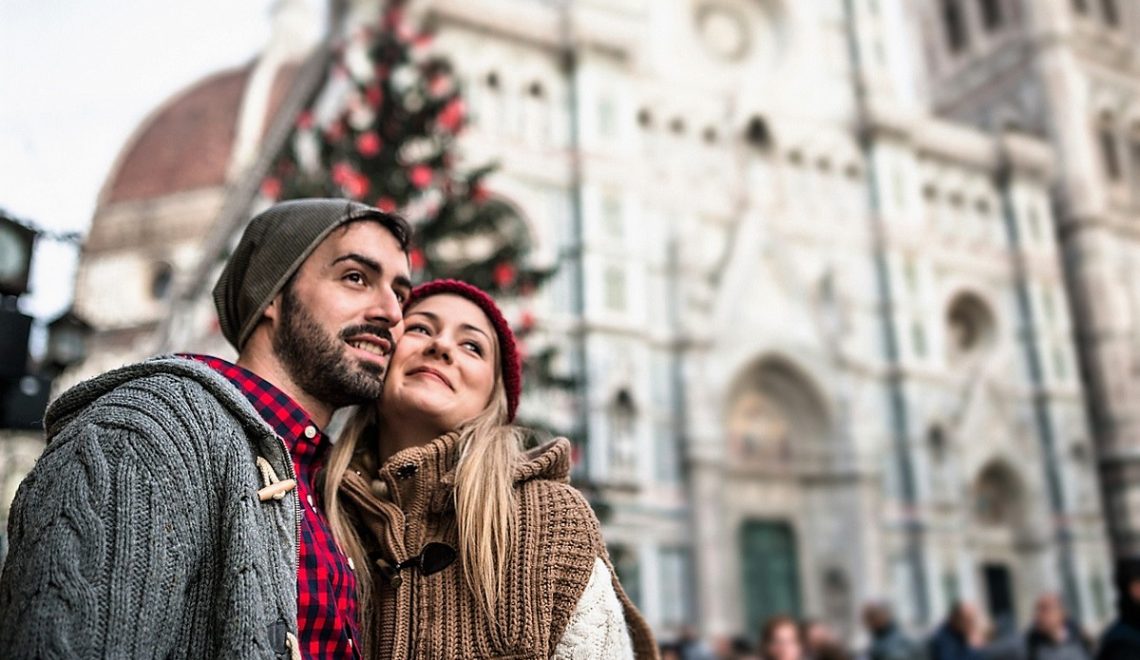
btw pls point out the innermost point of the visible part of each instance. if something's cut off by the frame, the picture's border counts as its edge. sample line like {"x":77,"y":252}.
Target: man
{"x":1122,"y":639}
{"x":959,"y":637}
{"x":1052,"y":636}
{"x":173,"y":512}
{"x":887,"y":641}
{"x":820,"y":641}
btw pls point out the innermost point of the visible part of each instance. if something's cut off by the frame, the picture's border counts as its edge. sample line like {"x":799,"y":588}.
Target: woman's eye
{"x":473,"y":347}
{"x":420,"y":328}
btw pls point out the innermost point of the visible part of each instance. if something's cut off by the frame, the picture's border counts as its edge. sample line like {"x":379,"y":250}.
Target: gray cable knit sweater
{"x":140,"y":532}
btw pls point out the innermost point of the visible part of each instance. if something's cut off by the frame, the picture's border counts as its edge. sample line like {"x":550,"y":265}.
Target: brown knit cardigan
{"x":409,"y":502}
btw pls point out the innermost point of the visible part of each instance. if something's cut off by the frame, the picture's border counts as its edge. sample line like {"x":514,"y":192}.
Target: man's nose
{"x":385,"y":309}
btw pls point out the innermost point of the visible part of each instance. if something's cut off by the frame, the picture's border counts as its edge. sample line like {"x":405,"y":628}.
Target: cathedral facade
{"x":847,"y":284}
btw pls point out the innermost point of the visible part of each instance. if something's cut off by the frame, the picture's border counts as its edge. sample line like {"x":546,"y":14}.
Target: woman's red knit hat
{"x":508,"y":348}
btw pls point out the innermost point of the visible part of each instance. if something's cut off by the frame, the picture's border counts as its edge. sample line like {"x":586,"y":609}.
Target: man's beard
{"x":316,"y":360}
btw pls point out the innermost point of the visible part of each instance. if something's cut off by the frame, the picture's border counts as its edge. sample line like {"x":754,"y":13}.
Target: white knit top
{"x":597,"y":627}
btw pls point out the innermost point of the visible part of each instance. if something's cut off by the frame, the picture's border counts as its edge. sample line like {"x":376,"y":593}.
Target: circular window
{"x":723,"y":31}
{"x":160,"y":281}
{"x":970,"y":327}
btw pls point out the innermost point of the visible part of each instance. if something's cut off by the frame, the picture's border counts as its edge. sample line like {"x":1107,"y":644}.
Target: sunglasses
{"x":433,"y":558}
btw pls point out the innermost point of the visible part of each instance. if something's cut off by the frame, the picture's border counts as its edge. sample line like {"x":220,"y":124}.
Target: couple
{"x":190,"y":507}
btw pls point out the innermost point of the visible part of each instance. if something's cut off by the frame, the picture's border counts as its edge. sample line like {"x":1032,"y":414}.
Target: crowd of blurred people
{"x":965,"y":634}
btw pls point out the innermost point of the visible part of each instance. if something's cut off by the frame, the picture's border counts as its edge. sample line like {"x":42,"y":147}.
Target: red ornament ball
{"x":271,"y":188}
{"x":368,"y":144}
{"x":420,"y":176}
{"x":504,"y":274}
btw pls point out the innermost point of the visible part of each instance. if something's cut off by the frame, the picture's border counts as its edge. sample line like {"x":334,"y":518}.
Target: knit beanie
{"x":273,"y":247}
{"x":508,"y":349}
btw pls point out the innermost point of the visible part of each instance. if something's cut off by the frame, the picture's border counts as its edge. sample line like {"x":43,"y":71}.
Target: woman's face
{"x":784,"y":644}
{"x":444,"y":365}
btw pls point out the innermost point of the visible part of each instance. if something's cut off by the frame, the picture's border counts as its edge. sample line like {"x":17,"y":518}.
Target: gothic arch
{"x":774,"y":411}
{"x":998,"y":495}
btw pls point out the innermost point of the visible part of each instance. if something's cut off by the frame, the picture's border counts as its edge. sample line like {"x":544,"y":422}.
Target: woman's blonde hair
{"x":489,"y":450}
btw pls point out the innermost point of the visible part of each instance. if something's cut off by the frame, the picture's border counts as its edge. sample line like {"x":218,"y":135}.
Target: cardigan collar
{"x":428,"y":471}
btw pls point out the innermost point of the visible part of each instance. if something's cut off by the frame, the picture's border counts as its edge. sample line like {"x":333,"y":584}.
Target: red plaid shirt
{"x":326,"y":586}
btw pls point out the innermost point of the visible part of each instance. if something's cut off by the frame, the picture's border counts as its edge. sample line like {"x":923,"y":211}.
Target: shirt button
{"x":351,"y":566}
{"x":310,"y":500}
{"x":349,"y":642}
{"x":310,"y":431}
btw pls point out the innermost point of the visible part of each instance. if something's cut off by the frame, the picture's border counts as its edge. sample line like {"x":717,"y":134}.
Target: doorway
{"x":770,"y":572}
{"x":1000,"y":596}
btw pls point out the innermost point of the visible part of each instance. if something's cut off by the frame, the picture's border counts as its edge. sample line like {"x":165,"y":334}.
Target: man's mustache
{"x":368,"y":329}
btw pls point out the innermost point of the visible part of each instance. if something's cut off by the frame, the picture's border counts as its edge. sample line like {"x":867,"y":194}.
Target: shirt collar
{"x":284,"y":415}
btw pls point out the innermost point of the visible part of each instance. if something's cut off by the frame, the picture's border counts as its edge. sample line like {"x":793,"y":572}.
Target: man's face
{"x":966,"y":618}
{"x":335,"y":325}
{"x":1049,"y":613}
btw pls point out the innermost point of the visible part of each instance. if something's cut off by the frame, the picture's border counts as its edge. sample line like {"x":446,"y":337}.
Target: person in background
{"x":888,"y":642}
{"x":780,"y":639}
{"x":959,"y":637}
{"x":1052,"y":636}
{"x":1122,"y":639}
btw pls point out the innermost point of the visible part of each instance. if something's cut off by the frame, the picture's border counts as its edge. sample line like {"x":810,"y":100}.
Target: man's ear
{"x":273,"y":311}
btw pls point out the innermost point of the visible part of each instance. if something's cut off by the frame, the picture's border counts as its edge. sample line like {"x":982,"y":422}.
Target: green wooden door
{"x":771,"y":572}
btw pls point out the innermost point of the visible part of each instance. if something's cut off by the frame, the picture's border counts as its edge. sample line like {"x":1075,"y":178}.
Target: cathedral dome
{"x":187,"y":143}
{"x":184,"y":145}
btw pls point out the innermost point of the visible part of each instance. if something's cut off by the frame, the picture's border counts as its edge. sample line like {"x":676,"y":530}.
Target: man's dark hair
{"x":396,"y":225}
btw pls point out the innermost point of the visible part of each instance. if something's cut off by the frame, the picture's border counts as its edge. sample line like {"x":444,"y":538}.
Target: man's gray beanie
{"x":273,"y":247}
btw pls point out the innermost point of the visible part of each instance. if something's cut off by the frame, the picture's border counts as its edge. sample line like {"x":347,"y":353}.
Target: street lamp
{"x":26,"y":387}
{"x":16,"y":242}
{"x":66,"y":342}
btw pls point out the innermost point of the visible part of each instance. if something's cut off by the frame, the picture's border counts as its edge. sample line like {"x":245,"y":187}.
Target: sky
{"x":76,"y":78}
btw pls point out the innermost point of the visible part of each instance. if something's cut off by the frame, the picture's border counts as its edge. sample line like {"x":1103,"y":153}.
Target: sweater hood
{"x":550,"y":461}
{"x":75,"y":400}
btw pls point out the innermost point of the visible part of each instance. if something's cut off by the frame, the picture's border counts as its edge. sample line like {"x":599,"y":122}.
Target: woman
{"x":780,"y":639}
{"x":473,"y":548}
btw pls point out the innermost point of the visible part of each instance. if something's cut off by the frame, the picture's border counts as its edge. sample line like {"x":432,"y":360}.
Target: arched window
{"x":161,"y":278}
{"x":645,"y":118}
{"x":774,"y":415}
{"x":536,"y":114}
{"x":1134,"y":160}
{"x":1110,"y":12}
{"x":1106,"y":138}
{"x":954,"y":21}
{"x":622,"y":418}
{"x":997,"y":496}
{"x":993,"y":16}
{"x":757,"y":133}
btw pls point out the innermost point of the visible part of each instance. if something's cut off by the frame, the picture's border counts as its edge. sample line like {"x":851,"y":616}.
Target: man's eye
{"x":355,"y":278}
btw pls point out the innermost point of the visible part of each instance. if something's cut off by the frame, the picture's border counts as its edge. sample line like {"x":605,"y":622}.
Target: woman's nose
{"x":440,"y":348}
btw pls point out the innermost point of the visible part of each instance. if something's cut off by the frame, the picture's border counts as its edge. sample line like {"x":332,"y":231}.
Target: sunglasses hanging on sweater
{"x":433,"y":558}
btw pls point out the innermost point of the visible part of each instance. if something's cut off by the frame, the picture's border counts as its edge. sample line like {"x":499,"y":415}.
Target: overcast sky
{"x":76,"y":78}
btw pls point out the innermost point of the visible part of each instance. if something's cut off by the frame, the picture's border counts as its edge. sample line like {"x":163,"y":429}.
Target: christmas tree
{"x":383,"y":130}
